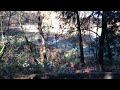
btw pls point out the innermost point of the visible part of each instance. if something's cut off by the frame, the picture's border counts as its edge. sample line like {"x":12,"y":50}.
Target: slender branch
{"x":93,"y":32}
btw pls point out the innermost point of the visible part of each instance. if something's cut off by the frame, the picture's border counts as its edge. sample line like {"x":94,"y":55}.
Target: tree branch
{"x":93,"y":32}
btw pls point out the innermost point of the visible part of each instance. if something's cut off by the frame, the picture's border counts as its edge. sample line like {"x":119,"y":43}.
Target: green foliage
{"x":21,"y":67}
{"x":62,"y":68}
{"x":71,"y":57}
{"x":10,"y":69}
{"x":1,"y":47}
{"x":36,"y":69}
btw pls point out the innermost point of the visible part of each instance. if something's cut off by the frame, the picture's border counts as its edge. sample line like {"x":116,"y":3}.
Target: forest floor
{"x":95,"y":75}
{"x":68,"y":52}
{"x":83,"y":73}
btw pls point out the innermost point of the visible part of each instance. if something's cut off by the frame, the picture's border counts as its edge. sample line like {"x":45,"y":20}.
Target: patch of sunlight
{"x":108,"y":76}
{"x":25,"y":64}
{"x":83,"y":14}
{"x":30,"y":28}
{"x":30,"y":11}
{"x":66,"y":55}
{"x":1,"y":48}
{"x":99,"y":31}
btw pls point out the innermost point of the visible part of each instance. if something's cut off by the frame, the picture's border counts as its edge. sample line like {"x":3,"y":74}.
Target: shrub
{"x":11,"y":69}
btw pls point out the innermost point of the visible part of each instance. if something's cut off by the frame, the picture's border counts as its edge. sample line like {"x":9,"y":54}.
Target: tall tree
{"x":102,"y":41}
{"x":96,"y":34}
{"x":74,"y":16}
{"x":6,"y":14}
{"x":80,"y":39}
{"x":43,"y":55}
{"x":114,"y":17}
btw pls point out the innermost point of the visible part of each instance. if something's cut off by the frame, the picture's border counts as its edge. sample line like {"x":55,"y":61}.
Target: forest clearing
{"x":59,"y":44}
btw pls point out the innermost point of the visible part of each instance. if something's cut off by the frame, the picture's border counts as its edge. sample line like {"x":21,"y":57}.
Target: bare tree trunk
{"x":43,"y":55}
{"x":1,"y":31}
{"x":6,"y":32}
{"x":27,"y":41}
{"x":8,"y":26}
{"x":109,"y":52}
{"x":80,"y":38}
{"x":102,"y":42}
{"x":3,"y":49}
{"x":96,"y":35}
{"x":31,"y":49}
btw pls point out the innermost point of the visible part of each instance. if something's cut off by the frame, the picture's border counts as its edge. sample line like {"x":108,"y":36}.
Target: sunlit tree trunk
{"x":43,"y":55}
{"x":80,"y":39}
{"x":2,"y":42}
{"x":6,"y":32}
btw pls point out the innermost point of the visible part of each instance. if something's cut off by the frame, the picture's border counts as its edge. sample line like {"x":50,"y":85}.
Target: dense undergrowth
{"x":15,"y":69}
{"x":18,"y":60}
